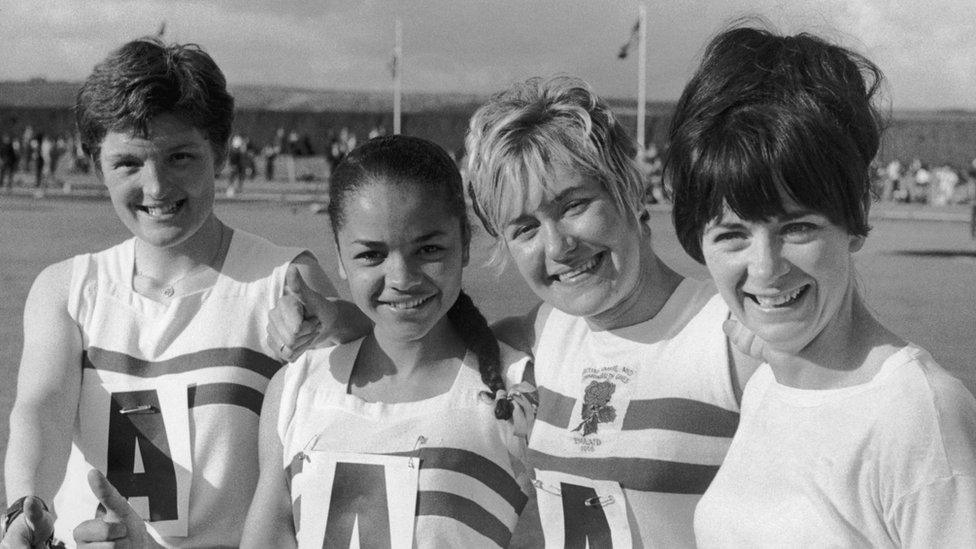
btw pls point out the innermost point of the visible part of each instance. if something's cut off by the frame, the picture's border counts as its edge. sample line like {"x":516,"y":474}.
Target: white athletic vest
{"x":171,"y":394}
{"x":649,"y":406}
{"x":472,"y":484}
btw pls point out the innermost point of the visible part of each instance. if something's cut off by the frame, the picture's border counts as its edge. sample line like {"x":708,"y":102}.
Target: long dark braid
{"x":477,"y":336}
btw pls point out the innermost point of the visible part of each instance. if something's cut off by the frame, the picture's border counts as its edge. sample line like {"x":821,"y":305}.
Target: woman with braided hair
{"x":394,"y":437}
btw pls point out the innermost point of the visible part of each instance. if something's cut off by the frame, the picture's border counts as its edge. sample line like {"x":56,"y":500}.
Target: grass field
{"x":919,"y":276}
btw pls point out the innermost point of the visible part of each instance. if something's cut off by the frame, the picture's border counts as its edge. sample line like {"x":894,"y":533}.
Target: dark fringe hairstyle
{"x":766,"y":115}
{"x":404,"y":160}
{"x":146,"y":78}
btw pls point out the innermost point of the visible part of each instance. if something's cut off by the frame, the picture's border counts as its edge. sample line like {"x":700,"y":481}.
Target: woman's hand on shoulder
{"x":294,"y":323}
{"x":307,"y":313}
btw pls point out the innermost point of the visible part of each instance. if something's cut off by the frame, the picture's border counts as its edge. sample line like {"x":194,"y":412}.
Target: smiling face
{"x":162,"y":187}
{"x":786,"y":278}
{"x":402,"y":253}
{"x":576,"y":249}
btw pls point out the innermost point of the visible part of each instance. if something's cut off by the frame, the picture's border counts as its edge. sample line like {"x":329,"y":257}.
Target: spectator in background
{"x":651,"y":167}
{"x":270,"y":153}
{"x":37,"y":163}
{"x":971,"y":176}
{"x":27,"y":151}
{"x":237,"y":158}
{"x":946,"y":180}
{"x":892,"y":175}
{"x":80,"y":161}
{"x":377,"y":131}
{"x":8,"y":162}
{"x":292,"y":149}
{"x":923,"y":177}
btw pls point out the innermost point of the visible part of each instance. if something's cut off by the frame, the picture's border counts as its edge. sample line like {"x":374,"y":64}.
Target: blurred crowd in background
{"x":39,"y":161}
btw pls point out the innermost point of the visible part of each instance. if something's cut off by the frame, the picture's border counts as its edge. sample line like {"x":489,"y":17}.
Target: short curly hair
{"x":521,"y":135}
{"x":146,"y":78}
{"x":766,"y":116}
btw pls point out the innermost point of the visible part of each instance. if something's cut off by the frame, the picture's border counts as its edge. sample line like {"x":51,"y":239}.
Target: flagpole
{"x":642,"y":76}
{"x":397,"y":87}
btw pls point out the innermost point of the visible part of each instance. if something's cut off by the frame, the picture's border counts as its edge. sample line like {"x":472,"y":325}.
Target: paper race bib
{"x":577,"y":512}
{"x":138,"y":435}
{"x":358,"y":500}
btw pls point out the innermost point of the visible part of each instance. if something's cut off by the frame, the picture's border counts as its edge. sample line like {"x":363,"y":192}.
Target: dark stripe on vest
{"x":644,"y":474}
{"x":555,"y":408}
{"x":478,"y":467}
{"x":671,"y":414}
{"x":680,"y":414}
{"x":460,"y":461}
{"x":111,"y":361}
{"x":453,"y":506}
{"x":226,"y":393}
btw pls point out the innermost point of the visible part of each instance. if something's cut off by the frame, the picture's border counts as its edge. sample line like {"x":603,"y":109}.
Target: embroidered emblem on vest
{"x":595,"y":408}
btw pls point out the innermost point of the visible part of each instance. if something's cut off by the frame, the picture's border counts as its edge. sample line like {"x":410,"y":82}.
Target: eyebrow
{"x":422,"y":238}
{"x":555,"y":200}
{"x":789,"y":216}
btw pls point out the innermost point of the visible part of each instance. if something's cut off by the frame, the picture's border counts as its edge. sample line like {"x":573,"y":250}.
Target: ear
{"x":856,"y":242}
{"x":644,"y":219}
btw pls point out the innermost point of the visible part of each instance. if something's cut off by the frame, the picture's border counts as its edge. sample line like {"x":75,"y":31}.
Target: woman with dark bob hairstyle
{"x":147,"y":362}
{"x":849,"y":435}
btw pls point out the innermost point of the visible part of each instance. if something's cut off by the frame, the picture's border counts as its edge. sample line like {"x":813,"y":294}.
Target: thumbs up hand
{"x":32,"y":528}
{"x":297,"y":319}
{"x":118,"y":525}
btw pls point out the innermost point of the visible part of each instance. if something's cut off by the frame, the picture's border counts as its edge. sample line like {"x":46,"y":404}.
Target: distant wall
{"x":936,"y":139}
{"x":933,"y":141}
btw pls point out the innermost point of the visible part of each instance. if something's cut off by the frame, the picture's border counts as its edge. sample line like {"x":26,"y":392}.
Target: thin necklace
{"x":168,"y":289}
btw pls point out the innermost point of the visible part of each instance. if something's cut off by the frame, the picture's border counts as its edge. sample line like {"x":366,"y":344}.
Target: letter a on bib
{"x":577,"y":512}
{"x":137,"y":433}
{"x":357,"y":500}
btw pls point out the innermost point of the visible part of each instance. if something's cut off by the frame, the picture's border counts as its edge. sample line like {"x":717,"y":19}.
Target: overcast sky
{"x":927,"y":49}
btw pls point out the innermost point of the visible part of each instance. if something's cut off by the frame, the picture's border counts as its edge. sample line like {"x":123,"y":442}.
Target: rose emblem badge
{"x":595,"y":408}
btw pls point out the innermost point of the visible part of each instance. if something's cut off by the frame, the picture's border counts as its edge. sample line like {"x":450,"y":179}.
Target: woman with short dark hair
{"x":148,"y":361}
{"x":849,"y":435}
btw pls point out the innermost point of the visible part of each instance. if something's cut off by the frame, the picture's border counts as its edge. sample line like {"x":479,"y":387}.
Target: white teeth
{"x":768,"y":302}
{"x":569,"y":275}
{"x":166,"y":209}
{"x":411,"y":304}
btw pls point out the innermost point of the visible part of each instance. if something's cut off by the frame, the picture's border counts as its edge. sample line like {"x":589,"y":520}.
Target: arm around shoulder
{"x":48,"y":388}
{"x":269,"y":520}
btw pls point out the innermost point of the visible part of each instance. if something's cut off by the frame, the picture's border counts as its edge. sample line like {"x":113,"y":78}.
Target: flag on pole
{"x":634,"y":37}
{"x":394,"y":64}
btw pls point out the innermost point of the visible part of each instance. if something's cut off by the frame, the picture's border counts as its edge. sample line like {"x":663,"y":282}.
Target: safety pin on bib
{"x":545,"y":488}
{"x":141,"y":409}
{"x":305,"y":454}
{"x":599,"y":501}
{"x":421,"y":440}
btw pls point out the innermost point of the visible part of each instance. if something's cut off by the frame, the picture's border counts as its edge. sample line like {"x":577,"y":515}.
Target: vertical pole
{"x":642,"y":76}
{"x":398,"y":70}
